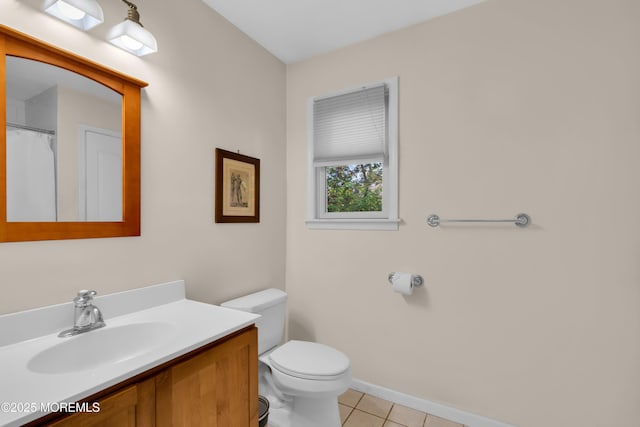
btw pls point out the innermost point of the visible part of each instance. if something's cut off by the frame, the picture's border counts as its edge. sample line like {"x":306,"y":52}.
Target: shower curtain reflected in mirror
{"x":31,"y":182}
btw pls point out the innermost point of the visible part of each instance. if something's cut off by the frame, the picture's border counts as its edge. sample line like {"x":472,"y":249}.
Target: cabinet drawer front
{"x":116,"y":410}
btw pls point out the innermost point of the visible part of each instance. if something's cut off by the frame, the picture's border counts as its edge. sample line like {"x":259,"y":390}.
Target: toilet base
{"x":306,"y":412}
{"x":310,"y":412}
{"x":298,"y":411}
{"x":279,"y":417}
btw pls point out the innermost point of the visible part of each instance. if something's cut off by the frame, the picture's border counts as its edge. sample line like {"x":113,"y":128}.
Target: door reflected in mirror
{"x":63,"y":145}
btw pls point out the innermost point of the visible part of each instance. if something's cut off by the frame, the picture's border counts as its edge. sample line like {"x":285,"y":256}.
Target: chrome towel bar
{"x":521,"y":220}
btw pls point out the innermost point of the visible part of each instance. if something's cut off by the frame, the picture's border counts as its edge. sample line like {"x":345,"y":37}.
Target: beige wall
{"x":506,"y":107}
{"x":209,"y":86}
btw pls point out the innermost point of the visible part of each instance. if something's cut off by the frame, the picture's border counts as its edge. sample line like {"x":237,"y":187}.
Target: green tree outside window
{"x":354,"y":188}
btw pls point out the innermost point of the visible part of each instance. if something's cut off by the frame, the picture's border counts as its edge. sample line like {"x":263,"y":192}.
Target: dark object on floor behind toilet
{"x":263,"y":411}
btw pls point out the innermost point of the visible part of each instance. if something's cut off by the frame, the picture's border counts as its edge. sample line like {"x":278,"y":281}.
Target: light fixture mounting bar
{"x":132,"y":13}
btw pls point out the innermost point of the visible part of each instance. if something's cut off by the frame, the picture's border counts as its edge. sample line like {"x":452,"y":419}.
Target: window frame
{"x":387,"y":219}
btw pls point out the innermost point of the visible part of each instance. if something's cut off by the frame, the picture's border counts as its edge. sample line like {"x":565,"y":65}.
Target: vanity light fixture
{"x":83,"y":14}
{"x":131,"y":36}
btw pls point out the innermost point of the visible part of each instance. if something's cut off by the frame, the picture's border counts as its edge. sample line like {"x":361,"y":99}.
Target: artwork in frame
{"x":237,"y":197}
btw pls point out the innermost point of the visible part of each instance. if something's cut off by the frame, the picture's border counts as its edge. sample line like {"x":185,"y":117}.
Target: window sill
{"x":353,"y":224}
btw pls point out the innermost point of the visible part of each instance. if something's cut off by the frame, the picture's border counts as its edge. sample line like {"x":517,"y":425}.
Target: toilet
{"x":301,"y":379}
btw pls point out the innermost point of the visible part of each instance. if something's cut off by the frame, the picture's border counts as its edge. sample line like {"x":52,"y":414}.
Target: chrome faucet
{"x":87,"y":316}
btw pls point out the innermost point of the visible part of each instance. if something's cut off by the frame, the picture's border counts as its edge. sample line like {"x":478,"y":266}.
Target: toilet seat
{"x":309,"y":360}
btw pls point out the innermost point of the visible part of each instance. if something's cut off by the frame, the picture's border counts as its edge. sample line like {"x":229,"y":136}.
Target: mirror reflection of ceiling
{"x":29,"y":78}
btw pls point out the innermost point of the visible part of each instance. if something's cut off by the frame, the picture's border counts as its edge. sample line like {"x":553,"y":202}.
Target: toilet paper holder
{"x":416,"y":279}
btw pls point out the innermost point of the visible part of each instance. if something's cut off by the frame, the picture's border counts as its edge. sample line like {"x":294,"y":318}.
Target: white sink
{"x":146,"y":327}
{"x":108,"y":345}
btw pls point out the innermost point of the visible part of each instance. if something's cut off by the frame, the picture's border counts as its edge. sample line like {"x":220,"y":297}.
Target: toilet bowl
{"x":309,"y":377}
{"x":301,"y":379}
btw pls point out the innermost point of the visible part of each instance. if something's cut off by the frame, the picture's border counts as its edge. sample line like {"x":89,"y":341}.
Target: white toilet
{"x":301,"y":379}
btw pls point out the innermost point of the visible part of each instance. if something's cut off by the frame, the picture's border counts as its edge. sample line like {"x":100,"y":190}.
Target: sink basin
{"x":108,"y":345}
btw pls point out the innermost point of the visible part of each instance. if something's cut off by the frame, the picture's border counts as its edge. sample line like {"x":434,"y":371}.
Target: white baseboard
{"x":439,"y":410}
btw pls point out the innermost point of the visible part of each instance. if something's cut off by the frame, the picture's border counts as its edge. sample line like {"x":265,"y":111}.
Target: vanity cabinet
{"x":216,"y":386}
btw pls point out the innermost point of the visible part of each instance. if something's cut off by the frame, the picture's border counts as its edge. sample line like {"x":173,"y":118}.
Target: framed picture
{"x":237,"y":197}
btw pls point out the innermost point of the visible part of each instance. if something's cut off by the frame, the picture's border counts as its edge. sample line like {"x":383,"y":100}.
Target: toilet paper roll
{"x":402,"y":283}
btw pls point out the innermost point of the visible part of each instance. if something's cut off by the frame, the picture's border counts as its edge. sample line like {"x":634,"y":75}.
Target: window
{"x":353,"y":174}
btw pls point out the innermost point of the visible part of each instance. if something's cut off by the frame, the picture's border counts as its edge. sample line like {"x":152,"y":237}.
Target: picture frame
{"x":237,"y":187}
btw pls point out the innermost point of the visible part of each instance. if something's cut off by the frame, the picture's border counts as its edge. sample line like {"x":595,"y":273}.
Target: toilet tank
{"x":271,"y":304}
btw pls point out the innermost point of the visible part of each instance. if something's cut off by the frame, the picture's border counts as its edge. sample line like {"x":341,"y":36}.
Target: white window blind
{"x":350,"y":128}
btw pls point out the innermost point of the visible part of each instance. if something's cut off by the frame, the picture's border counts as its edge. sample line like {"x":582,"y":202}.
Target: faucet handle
{"x":84,"y":297}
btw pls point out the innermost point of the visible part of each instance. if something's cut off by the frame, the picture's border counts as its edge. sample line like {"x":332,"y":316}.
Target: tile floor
{"x":362,"y":410}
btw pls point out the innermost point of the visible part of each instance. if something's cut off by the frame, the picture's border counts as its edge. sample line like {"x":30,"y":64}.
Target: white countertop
{"x":194,"y":324}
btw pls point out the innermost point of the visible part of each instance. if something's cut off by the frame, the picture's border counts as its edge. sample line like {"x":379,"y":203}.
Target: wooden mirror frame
{"x":14,"y":43}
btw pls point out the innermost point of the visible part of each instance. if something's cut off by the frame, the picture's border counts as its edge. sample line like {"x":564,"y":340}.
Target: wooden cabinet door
{"x":215,"y":388}
{"x":133,"y":406}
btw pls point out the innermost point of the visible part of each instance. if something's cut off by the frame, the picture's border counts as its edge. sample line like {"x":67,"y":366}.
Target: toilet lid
{"x":309,"y":360}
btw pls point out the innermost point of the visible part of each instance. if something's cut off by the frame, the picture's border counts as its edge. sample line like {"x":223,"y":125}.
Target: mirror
{"x":70,"y":155}
{"x":64,"y":145}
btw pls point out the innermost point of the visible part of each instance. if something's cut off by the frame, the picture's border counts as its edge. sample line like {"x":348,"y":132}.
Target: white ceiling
{"x":293,"y":30}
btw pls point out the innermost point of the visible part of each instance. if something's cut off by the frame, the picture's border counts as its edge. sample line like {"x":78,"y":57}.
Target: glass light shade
{"x":133,"y":38}
{"x":83,"y":14}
